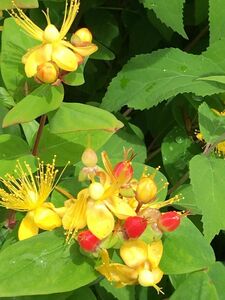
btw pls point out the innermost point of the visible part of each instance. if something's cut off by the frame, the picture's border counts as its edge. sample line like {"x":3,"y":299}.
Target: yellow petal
{"x":117,"y":272}
{"x":100,"y":221}
{"x":120,"y":208}
{"x":86,"y":50}
{"x":46,"y":219}
{"x":65,"y":58}
{"x":36,"y":57}
{"x":155,"y":251}
{"x":75,"y":214}
{"x":27,"y":227}
{"x":134,"y":253}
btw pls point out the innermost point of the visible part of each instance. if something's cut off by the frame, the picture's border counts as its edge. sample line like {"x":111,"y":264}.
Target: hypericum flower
{"x":141,"y":264}
{"x":28,"y":193}
{"x":97,"y":206}
{"x":219,"y":148}
{"x":53,"y":48}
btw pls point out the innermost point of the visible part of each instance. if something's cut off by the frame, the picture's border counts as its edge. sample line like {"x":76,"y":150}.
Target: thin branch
{"x":179,"y":183}
{"x":38,"y":136}
{"x":191,"y":45}
{"x":127,"y":112}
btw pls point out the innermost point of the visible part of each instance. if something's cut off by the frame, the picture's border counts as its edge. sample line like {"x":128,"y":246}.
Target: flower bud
{"x":51,"y":34}
{"x":150,"y":278}
{"x":81,"y":36}
{"x":125,"y":168}
{"x":134,"y":253}
{"x":47,"y":72}
{"x":96,"y":190}
{"x":151,"y":214}
{"x":89,"y":158}
{"x":146,"y":190}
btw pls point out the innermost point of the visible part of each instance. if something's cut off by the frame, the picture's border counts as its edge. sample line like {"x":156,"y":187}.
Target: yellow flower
{"x":97,"y":206}
{"x":28,"y":193}
{"x":141,"y":264}
{"x":53,"y":48}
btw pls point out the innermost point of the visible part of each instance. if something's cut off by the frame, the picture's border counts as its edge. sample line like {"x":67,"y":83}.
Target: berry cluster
{"x":117,"y":211}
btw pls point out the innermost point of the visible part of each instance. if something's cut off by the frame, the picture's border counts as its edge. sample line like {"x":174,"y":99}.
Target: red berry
{"x":124,"y":167}
{"x":169,"y":221}
{"x":88,"y":241}
{"x":135,"y":226}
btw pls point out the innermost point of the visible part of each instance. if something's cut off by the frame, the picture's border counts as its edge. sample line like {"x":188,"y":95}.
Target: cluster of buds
{"x":117,"y":211}
{"x":114,"y":211}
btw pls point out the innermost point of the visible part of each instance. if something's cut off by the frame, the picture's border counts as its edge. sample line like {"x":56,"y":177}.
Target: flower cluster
{"x":54,"y":57}
{"x":114,"y":212}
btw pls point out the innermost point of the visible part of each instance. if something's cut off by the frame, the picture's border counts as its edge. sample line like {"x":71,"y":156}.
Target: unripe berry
{"x":47,"y":72}
{"x":125,"y":168}
{"x":88,"y":241}
{"x":96,"y":190}
{"x":134,"y":253}
{"x":146,"y":190}
{"x":89,"y":158}
{"x":169,"y":221}
{"x":135,"y":226}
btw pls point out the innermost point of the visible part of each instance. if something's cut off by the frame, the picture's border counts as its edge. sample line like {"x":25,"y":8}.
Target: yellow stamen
{"x":23,"y":21}
{"x":69,"y":16}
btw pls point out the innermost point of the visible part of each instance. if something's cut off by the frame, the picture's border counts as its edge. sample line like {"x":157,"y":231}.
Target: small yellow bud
{"x":96,"y":190}
{"x":51,"y":34}
{"x":89,"y":158}
{"x":47,"y":72}
{"x":150,"y":278}
{"x":81,"y":36}
{"x":134,"y":253}
{"x":146,"y":190}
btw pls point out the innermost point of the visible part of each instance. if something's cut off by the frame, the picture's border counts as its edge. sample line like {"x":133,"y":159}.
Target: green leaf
{"x":177,"y":149}
{"x":124,"y":139}
{"x":212,"y":126}
{"x":7,"y":4}
{"x":187,"y":201}
{"x":61,"y":296}
{"x":217,"y":274}
{"x":169,"y":12}
{"x":216,"y":20}
{"x":71,"y":117}
{"x":103,"y":53}
{"x":75,"y":78}
{"x":185,"y":250}
{"x":207,"y":179}
{"x":125,"y":293}
{"x":29,"y":129}
{"x":205,"y":284}
{"x":14,"y":46}
{"x":83,"y":293}
{"x":69,"y":146}
{"x":13,"y":148}
{"x":56,"y":267}
{"x":149,"y":79}
{"x":5,"y":98}
{"x":219,"y":78}
{"x":42,"y":100}
{"x":198,"y":286}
